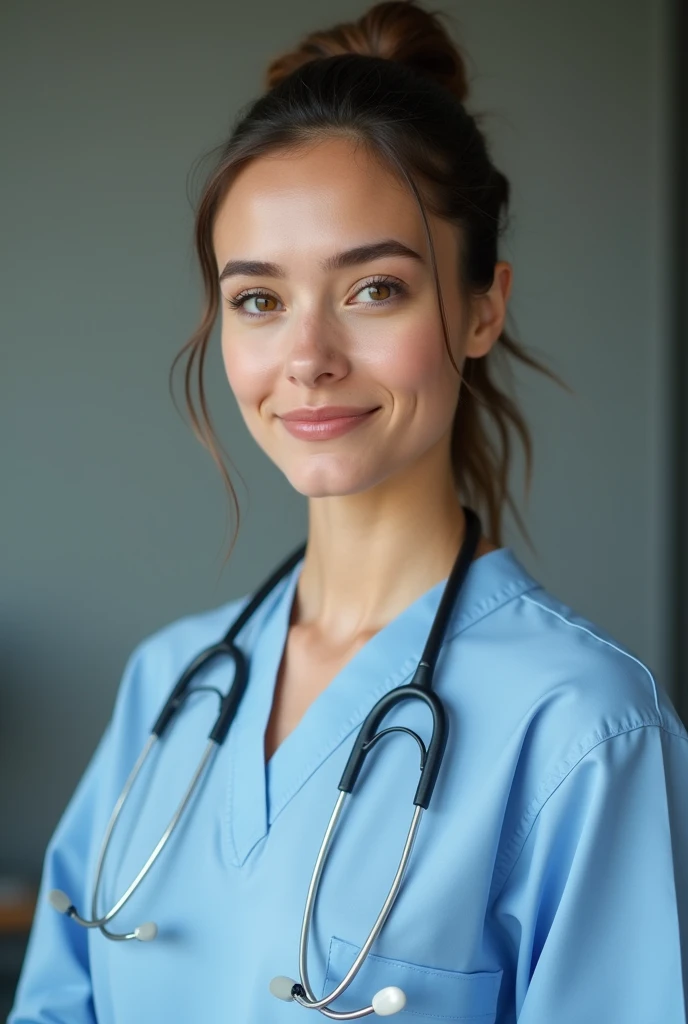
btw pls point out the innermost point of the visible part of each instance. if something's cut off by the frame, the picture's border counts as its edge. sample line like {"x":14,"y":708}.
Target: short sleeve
{"x":596,"y":903}
{"x":55,"y":981}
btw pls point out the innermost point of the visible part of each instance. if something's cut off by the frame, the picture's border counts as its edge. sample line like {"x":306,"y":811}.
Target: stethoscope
{"x":388,"y":1000}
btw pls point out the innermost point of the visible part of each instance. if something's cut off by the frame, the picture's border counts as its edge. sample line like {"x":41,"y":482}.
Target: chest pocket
{"x":431,"y":993}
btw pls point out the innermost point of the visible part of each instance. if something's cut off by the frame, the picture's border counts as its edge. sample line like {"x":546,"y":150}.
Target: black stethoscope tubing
{"x":419,"y":689}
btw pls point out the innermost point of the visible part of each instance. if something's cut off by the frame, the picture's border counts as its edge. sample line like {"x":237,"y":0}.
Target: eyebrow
{"x":340,"y":260}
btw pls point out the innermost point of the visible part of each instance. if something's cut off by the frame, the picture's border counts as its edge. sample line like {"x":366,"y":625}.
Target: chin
{"x":331,"y":482}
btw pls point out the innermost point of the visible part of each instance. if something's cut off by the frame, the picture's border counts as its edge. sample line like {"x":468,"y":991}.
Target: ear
{"x":488,"y":313}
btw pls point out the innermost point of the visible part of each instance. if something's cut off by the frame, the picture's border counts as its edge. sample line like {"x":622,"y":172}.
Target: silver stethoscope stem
{"x":147,"y":931}
{"x":389,"y":1000}
{"x":310,"y":1000}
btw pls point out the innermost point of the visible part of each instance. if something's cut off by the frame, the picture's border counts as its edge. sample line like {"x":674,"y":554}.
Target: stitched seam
{"x":487,"y":606}
{"x":444,"y":975}
{"x":231,"y":839}
{"x":601,"y":640}
{"x":247,"y":632}
{"x":326,"y":983}
{"x":604,"y":739}
{"x":397,"y":678}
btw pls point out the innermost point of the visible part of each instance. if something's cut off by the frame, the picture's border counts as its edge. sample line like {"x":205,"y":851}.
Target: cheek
{"x":414,"y":361}
{"x":248,"y":374}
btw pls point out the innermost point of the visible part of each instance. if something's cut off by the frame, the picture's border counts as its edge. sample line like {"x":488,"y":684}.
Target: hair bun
{"x":396,"y":30}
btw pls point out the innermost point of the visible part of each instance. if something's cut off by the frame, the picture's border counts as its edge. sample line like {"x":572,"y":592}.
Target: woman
{"x":349,"y":234}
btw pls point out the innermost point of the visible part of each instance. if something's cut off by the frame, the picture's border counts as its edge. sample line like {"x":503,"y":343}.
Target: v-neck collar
{"x":257,"y":792}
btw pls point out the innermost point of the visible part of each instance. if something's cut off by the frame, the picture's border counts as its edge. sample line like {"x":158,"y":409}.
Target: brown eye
{"x":381,"y":291}
{"x":260,"y":301}
{"x":239,"y":303}
{"x":375,"y":289}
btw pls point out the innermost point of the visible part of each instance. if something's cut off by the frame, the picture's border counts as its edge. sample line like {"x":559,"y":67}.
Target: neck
{"x":370,"y":555}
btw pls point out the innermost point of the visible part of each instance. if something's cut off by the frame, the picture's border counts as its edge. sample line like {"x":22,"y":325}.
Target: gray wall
{"x":114,"y":520}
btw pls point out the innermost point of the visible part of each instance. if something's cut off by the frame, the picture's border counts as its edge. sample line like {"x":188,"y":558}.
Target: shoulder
{"x":551,"y":683}
{"x":563,"y":707}
{"x":158,"y":660}
{"x":185,"y":636}
{"x":568,"y":655}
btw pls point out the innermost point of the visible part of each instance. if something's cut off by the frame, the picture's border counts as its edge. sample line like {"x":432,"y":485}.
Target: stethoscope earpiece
{"x":146,"y":932}
{"x":61,"y":902}
{"x":389,"y":1000}
{"x":282,"y":987}
{"x":385,"y":1003}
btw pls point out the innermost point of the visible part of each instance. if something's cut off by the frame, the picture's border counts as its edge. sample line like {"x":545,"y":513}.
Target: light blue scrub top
{"x":549,"y":879}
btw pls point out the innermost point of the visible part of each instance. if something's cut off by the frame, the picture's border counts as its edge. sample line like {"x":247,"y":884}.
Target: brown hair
{"x":395,"y":82}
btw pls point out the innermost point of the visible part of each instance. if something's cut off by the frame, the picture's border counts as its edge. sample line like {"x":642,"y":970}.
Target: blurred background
{"x":114,"y":518}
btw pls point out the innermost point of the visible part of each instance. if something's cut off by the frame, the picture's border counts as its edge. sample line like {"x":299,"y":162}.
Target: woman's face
{"x":357,"y":333}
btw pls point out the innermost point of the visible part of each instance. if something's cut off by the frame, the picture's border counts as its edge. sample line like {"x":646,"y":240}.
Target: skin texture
{"x":385,"y":523}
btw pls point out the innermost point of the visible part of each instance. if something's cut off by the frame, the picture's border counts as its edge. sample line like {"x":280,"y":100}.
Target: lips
{"x":326,"y":425}
{"x":324,"y":412}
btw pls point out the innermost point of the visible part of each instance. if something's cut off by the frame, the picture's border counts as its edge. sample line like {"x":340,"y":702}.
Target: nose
{"x":315,"y":351}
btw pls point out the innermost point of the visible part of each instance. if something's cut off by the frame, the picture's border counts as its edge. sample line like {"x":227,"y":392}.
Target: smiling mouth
{"x":324,"y":429}
{"x":325,"y":412}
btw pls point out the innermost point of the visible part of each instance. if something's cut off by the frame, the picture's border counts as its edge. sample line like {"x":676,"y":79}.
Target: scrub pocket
{"x":431,"y":992}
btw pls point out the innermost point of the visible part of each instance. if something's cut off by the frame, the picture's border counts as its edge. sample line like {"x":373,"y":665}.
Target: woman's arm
{"x":55,"y":982}
{"x":596,"y":903}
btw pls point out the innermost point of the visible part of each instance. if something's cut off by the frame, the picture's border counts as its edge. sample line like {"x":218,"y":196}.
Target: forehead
{"x":331,"y":189}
